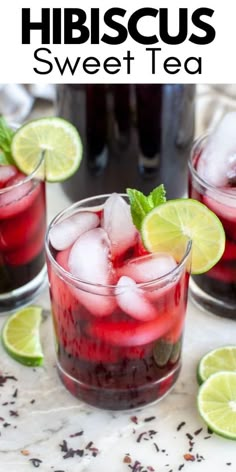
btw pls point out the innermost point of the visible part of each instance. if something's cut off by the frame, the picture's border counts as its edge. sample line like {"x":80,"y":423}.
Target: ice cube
{"x":124,"y":333}
{"x":89,"y":257}
{"x":117,"y":222}
{"x":18,"y":191}
{"x":223,"y":205}
{"x":89,"y":261}
{"x":132,"y":301}
{"x":62,"y":259}
{"x":17,"y":199}
{"x":62,"y":296}
{"x":217,"y":163}
{"x":6,"y":173}
{"x":14,"y":235}
{"x":149,"y":267}
{"x":64,"y":234}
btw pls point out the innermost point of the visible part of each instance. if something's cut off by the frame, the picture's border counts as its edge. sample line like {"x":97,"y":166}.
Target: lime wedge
{"x":170,"y":225}
{"x":217,"y":403}
{"x":21,"y":337}
{"x":57,"y":138}
{"x":217,"y":360}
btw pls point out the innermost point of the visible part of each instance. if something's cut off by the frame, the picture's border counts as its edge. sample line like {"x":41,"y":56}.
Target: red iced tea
{"x":216,"y":289}
{"x":118,"y":311}
{"x":22,"y":230}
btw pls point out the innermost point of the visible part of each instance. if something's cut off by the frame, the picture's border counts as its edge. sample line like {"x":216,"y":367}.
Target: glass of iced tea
{"x":118,"y":311}
{"x":22,"y":231}
{"x":212,"y":181}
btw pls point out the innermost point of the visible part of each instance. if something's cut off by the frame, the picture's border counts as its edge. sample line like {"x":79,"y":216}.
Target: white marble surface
{"x":47,"y":415}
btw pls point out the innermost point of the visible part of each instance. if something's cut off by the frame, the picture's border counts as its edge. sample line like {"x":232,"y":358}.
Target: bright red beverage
{"x":118,"y":311}
{"x":22,"y":230}
{"x":216,"y":289}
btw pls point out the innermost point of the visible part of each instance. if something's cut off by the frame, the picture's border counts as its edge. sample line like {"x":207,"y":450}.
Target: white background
{"x":218,"y":58}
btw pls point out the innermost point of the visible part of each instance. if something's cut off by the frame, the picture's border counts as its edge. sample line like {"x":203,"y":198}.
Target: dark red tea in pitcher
{"x":134,"y":136}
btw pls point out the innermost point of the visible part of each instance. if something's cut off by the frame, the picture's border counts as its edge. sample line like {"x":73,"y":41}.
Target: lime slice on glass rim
{"x":21,"y":337}
{"x":170,"y":225}
{"x":216,"y":403}
{"x":217,"y":360}
{"x":58,"y":139}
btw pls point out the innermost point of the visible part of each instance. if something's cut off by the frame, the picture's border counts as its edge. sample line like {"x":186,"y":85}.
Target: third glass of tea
{"x":212,"y":180}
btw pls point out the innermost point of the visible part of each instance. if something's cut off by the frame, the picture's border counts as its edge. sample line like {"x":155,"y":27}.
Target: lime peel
{"x":21,"y":336}
{"x":217,"y":403}
{"x":54,"y":137}
{"x":170,"y":225}
{"x":220,"y":359}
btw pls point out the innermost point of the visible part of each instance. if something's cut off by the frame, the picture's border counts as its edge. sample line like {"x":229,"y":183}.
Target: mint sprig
{"x":6,"y":135}
{"x":157,"y":196}
{"x":141,"y":204}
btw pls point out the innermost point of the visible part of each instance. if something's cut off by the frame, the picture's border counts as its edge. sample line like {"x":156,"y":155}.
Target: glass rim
{"x":75,"y":280}
{"x":198,"y":143}
{"x":27,"y":177}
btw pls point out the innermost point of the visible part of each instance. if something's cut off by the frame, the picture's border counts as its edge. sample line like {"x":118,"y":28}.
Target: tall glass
{"x":115,"y":361}
{"x":216,"y":289}
{"x":22,"y":232}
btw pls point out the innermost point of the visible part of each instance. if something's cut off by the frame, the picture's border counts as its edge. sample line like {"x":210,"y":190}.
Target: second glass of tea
{"x":22,"y":233}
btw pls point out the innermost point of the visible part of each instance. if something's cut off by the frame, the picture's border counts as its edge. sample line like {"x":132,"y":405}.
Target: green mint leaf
{"x":6,"y":135}
{"x":3,"y":159}
{"x":139,"y":206}
{"x":157,"y":196}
